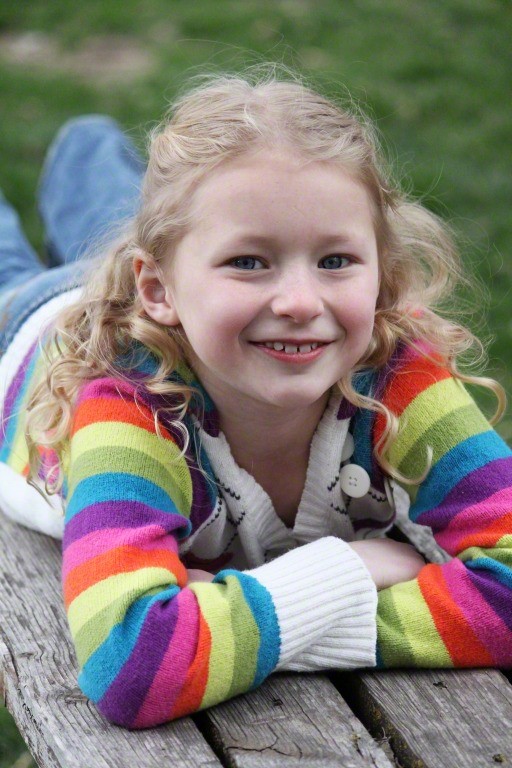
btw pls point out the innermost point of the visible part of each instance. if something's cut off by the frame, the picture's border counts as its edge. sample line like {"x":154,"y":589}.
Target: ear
{"x":155,"y":297}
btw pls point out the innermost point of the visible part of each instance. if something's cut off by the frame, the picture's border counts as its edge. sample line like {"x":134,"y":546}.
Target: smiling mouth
{"x":291,"y":349}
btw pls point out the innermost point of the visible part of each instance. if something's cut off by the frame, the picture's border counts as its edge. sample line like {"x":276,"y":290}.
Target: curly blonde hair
{"x":222,"y":117}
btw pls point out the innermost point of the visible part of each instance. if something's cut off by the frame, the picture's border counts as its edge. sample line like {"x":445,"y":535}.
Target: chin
{"x":293,"y":399}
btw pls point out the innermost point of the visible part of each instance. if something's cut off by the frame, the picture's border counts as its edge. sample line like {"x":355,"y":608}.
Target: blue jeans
{"x":90,"y":181}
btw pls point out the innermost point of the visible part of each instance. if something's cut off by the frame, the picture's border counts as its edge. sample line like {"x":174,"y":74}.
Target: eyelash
{"x":233,"y":262}
{"x":255,"y":259}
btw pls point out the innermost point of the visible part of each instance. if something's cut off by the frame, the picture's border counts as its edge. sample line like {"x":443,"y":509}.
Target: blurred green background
{"x":434,"y":74}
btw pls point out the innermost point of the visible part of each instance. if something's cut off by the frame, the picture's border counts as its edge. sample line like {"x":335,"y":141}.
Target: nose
{"x":297,"y":297}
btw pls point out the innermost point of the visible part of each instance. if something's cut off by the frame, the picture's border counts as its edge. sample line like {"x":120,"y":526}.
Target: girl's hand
{"x":389,"y":562}
{"x":195,"y":574}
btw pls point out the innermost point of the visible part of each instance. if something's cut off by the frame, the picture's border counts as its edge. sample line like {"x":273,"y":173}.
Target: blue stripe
{"x":260,"y":602}
{"x":502,"y":573}
{"x":464,"y":458}
{"x":10,"y":424}
{"x":118,"y":486}
{"x":103,"y":666}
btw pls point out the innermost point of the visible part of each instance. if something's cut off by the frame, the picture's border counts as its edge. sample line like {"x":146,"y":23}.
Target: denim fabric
{"x":90,"y":181}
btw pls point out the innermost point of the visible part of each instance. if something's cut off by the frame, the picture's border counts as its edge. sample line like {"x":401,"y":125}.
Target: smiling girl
{"x":233,"y":403}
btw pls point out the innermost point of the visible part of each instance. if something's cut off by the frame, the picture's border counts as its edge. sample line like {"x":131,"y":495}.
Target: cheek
{"x":358,"y":313}
{"x":214,"y":324}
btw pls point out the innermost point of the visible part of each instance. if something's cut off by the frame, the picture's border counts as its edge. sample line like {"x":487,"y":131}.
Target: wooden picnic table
{"x":385,"y":719}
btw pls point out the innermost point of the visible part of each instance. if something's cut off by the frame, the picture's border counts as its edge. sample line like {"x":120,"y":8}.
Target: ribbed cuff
{"x":320,"y":590}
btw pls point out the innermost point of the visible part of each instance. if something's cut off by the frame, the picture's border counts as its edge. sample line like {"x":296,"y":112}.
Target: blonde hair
{"x":222,"y":117}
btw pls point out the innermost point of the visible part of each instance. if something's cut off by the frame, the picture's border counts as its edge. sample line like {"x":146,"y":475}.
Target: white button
{"x":354,"y":480}
{"x":348,"y":447}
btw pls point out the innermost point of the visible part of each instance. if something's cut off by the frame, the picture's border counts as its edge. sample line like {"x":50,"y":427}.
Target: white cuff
{"x":326,"y":603}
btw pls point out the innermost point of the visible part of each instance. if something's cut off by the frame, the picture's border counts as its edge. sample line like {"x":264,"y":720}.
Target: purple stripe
{"x":17,"y":383}
{"x":113,"y":514}
{"x":471,"y":489}
{"x":127,"y":693}
{"x":203,"y":501}
{"x":497,"y":595}
{"x":346,"y":410}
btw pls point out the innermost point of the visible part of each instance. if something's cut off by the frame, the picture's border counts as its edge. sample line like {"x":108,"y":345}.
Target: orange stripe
{"x":103,"y":409}
{"x":488,"y":536}
{"x":194,"y":686}
{"x":124,"y":559}
{"x":400,"y":393}
{"x":462,"y":644}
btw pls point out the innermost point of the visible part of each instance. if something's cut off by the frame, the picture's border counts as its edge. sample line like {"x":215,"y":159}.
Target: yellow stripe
{"x":437,"y":401}
{"x":19,"y":451}
{"x":502,"y":552}
{"x":245,"y":627}
{"x":215,"y":607}
{"x":107,"y":592}
{"x":420,"y":636}
{"x":127,"y":435}
{"x":115,"y":434}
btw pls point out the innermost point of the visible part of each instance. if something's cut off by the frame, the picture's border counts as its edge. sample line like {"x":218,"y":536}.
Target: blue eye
{"x":247,"y":263}
{"x":334,"y":262}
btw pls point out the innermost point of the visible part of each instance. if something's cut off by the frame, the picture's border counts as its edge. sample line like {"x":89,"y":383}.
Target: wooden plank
{"x":292,"y":720}
{"x":436,"y":718}
{"x":61,"y":728}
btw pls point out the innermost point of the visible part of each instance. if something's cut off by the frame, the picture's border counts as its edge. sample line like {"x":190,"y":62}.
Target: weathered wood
{"x":292,"y":719}
{"x":430,"y":718}
{"x":61,"y":728}
{"x":437,"y":718}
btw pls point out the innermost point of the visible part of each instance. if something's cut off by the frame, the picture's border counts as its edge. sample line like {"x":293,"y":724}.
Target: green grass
{"x":11,"y":745}
{"x":434,"y":74}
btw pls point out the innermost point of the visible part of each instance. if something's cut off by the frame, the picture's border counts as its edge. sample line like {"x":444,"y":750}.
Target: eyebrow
{"x":265,"y":241}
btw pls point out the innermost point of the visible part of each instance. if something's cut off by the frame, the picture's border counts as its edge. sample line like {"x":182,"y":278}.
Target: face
{"x":275,"y":285}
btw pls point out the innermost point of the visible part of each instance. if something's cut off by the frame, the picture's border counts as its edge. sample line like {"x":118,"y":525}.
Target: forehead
{"x":277,"y":185}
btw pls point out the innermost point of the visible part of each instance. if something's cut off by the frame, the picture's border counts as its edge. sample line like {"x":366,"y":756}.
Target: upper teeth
{"x":291,"y":349}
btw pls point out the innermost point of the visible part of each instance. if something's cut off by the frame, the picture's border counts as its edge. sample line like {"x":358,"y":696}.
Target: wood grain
{"x":430,"y":718}
{"x":60,"y":726}
{"x":437,"y":718}
{"x":290,"y":720}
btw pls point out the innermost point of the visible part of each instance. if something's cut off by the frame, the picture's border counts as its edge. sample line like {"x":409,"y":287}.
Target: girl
{"x":251,"y":383}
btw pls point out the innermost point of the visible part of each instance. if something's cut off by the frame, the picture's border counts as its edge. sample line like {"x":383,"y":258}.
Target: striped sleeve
{"x":151,"y":646}
{"x":458,"y":614}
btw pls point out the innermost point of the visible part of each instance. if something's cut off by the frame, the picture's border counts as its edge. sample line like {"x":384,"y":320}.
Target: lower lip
{"x":296,"y":357}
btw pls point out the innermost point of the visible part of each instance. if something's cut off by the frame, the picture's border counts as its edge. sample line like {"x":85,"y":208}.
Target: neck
{"x":258,"y":435}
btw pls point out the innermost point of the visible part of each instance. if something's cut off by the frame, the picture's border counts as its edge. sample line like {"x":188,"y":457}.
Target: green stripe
{"x":95,"y":631}
{"x":104,"y":595}
{"x":121,"y":433}
{"x":112,"y":435}
{"x":445,"y":434}
{"x":407,"y":634}
{"x":427,"y":408}
{"x":216,"y":611}
{"x":170,"y":478}
{"x":247,"y":638}
{"x":502,"y":552}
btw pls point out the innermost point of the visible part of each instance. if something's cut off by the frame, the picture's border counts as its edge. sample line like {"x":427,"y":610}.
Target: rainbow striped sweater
{"x":152,"y":647}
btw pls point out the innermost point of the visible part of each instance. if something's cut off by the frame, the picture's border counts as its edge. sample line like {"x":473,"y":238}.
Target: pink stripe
{"x":171,"y":675}
{"x":148,"y":537}
{"x":485,"y":623}
{"x":108,"y":388}
{"x":474,"y":519}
